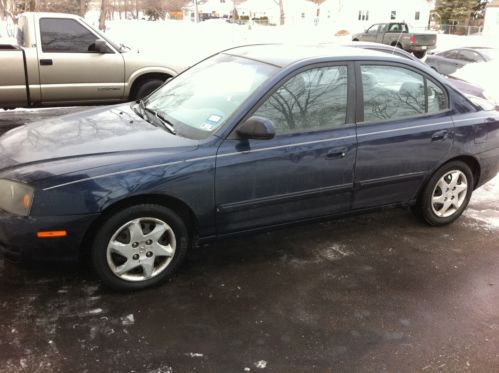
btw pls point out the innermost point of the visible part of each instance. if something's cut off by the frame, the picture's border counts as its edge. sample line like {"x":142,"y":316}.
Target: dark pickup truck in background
{"x":397,"y":34}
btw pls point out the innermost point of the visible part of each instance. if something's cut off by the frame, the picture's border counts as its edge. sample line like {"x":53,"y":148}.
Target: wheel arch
{"x":184,"y":211}
{"x":140,"y":79}
{"x":468,"y":159}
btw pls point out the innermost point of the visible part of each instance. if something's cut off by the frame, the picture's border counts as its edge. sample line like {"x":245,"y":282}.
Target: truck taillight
{"x":412,"y":39}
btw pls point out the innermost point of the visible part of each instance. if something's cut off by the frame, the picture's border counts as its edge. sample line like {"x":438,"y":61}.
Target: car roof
{"x":282,"y":55}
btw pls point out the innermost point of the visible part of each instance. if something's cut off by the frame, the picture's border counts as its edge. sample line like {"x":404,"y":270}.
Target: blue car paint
{"x":230,"y":185}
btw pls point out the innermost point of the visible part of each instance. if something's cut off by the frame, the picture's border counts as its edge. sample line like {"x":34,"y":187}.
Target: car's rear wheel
{"x":419,"y":54}
{"x":447,"y":193}
{"x":139,"y":246}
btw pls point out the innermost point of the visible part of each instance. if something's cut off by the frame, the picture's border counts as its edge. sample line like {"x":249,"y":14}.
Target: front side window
{"x":313,"y":100}
{"x":199,"y":101}
{"x":470,"y":56}
{"x":373,"y":29}
{"x":61,"y":35}
{"x":392,"y":93}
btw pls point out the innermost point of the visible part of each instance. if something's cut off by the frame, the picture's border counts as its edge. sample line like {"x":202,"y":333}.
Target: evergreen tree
{"x":457,"y":10}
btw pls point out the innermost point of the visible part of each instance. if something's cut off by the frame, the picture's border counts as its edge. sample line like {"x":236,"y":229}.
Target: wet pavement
{"x":375,"y":293}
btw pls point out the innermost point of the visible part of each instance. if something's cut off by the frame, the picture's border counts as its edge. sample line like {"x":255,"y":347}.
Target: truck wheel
{"x":419,"y":54}
{"x":146,"y":88}
{"x":139,"y":246}
{"x":446,"y":195}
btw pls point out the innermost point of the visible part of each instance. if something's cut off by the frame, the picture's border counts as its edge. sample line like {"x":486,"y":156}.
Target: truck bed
{"x":13,"y":89}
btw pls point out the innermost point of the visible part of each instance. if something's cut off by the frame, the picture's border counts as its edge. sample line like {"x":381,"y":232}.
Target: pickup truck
{"x":397,"y":34}
{"x":60,"y":59}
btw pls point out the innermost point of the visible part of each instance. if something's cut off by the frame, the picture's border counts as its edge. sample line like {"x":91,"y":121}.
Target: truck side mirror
{"x":257,"y":128}
{"x":101,"y":46}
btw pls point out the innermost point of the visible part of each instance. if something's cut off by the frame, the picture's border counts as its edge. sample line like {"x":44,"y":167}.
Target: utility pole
{"x":196,"y":11}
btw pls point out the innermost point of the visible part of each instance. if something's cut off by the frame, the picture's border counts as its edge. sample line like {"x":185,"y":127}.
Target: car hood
{"x":98,"y":133}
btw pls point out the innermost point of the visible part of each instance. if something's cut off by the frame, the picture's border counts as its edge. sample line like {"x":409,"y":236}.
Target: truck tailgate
{"x":425,"y":39}
{"x":13,"y":90}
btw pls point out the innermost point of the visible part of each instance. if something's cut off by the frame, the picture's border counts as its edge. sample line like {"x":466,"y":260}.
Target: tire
{"x":419,"y":54}
{"x":355,"y":40}
{"x":146,"y":88}
{"x":139,"y":247}
{"x":435,"y":204}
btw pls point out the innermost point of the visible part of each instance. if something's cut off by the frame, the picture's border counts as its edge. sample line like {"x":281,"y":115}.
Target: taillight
{"x":412,"y":39}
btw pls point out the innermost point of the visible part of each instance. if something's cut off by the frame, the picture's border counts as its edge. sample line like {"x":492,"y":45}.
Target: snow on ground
{"x":484,"y":205}
{"x":196,"y":41}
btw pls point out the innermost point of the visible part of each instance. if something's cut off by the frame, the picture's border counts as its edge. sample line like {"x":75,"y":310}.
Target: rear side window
{"x":313,"y":100}
{"x":392,"y":93}
{"x":65,"y":36}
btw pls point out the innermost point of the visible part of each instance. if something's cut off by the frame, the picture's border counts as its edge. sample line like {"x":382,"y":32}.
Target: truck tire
{"x":419,"y":54}
{"x":146,"y":88}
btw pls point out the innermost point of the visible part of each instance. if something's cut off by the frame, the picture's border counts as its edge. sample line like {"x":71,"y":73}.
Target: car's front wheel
{"x":139,"y":246}
{"x":447,"y":193}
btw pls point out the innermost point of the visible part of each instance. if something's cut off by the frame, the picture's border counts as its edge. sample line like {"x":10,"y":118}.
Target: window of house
{"x":395,"y":93}
{"x":65,"y":36}
{"x":313,"y":100}
{"x":417,"y":15}
{"x":363,"y":15}
{"x":393,"y":14}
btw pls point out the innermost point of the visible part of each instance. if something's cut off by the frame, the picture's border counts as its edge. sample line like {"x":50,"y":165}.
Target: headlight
{"x":16,"y":198}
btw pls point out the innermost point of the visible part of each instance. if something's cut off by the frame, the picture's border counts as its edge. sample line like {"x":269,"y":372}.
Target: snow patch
{"x":95,"y":311}
{"x":261,"y":364}
{"x":128,"y":320}
{"x":195,"y":354}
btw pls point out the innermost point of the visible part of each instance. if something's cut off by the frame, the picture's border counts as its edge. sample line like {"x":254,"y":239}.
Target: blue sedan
{"x":249,"y":139}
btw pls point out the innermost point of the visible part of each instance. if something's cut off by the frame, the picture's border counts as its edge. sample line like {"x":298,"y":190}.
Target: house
{"x":356,"y":15}
{"x":491,"y":19}
{"x":209,"y":9}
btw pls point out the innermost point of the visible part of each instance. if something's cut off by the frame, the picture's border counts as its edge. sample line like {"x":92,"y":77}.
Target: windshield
{"x":199,"y":101}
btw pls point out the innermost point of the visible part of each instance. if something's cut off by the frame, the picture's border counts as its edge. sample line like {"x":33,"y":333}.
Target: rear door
{"x":449,"y":62}
{"x":71,"y":70}
{"x":306,"y":170}
{"x":404,"y":131}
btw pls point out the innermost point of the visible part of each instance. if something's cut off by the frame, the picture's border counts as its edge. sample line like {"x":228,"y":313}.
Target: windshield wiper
{"x":164,"y":122}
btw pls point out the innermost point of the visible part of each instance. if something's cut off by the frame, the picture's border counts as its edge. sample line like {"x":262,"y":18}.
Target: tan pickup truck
{"x":60,"y":59}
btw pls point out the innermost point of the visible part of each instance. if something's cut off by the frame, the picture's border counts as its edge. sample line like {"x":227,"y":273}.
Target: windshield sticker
{"x":214,"y":118}
{"x":207,"y":126}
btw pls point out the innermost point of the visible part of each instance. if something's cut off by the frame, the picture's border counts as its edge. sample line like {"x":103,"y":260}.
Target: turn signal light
{"x":412,"y":39}
{"x":51,"y":234}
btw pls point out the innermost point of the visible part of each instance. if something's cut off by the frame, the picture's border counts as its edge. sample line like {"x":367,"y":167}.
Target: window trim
{"x":350,"y":113}
{"x":79,"y":23}
{"x":360,"y":93}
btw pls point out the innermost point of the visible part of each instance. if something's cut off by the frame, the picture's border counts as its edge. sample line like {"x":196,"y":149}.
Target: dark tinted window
{"x":469,"y":56}
{"x":395,"y":93}
{"x":65,"y":35}
{"x":312,"y":100}
{"x":450,"y":54}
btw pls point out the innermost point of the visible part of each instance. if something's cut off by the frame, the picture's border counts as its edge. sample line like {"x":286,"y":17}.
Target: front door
{"x":405,"y":130}
{"x":71,"y":69}
{"x":306,"y":170}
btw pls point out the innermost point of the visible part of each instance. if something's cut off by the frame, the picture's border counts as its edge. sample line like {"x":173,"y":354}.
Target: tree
{"x":281,"y":11}
{"x":457,"y":10}
{"x":103,"y":14}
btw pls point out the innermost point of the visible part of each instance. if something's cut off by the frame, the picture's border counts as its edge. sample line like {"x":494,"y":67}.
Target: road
{"x":375,"y":293}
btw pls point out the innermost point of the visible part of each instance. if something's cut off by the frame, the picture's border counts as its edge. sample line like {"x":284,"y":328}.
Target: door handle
{"x":337,"y":153}
{"x":46,"y":62}
{"x":440,"y":135}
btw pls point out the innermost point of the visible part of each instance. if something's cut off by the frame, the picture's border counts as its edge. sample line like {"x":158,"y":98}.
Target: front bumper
{"x":19,"y":242}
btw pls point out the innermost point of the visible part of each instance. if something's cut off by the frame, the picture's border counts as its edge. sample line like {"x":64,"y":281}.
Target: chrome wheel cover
{"x":141,"y":249}
{"x":449,"y":193}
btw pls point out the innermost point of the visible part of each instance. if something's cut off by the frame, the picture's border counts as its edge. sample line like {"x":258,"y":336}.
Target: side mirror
{"x":101,"y":46}
{"x":257,"y":128}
